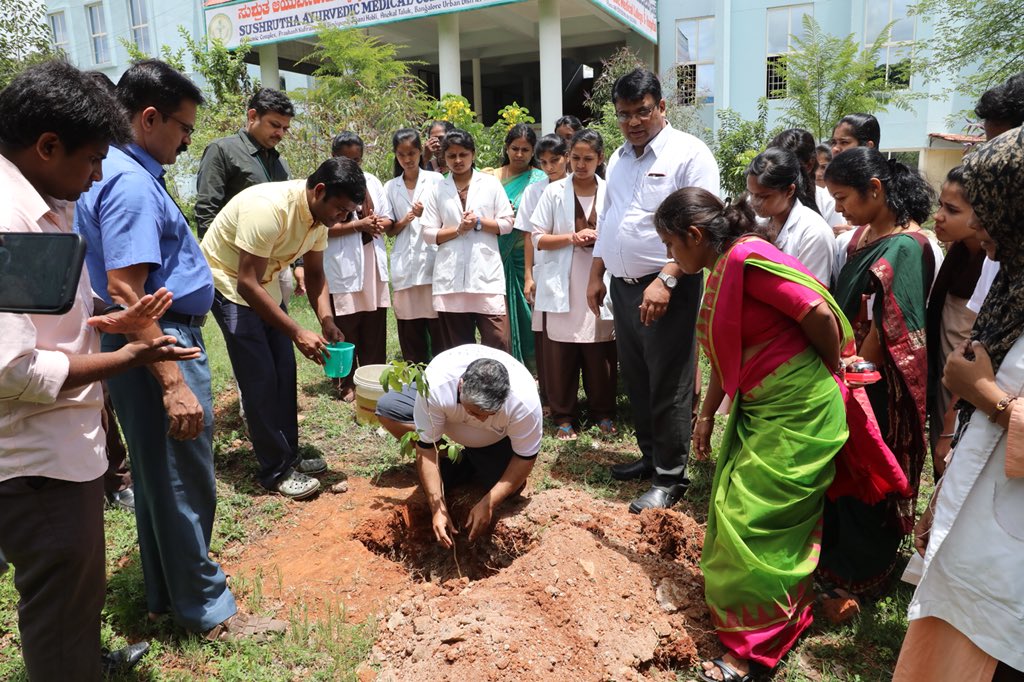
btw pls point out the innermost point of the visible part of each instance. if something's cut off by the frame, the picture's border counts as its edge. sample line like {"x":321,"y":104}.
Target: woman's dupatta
{"x":865,"y":468}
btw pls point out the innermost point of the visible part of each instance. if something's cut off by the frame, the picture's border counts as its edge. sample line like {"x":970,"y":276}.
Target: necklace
{"x":870,"y":236}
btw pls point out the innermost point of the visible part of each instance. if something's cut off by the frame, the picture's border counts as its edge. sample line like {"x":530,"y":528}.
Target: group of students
{"x":504,"y":253}
{"x":817,"y":473}
{"x":819,"y":469}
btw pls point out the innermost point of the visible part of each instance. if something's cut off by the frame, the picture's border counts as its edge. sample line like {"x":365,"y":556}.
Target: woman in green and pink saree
{"x":518,"y":171}
{"x":774,"y":337}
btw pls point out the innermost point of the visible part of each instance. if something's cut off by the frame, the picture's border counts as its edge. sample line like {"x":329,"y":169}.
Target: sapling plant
{"x":396,"y":377}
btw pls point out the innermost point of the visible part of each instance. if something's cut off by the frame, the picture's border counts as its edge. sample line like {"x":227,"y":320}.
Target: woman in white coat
{"x":412,"y":258}
{"x":575,"y":339}
{"x":789,"y":216}
{"x":463,"y":217}
{"x":967,"y":615}
{"x":356,"y":267}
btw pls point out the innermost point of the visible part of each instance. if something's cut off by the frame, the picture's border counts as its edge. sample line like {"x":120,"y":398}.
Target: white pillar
{"x":549,"y":38}
{"x":449,"y":60}
{"x":478,"y":90}
{"x":270,"y":74}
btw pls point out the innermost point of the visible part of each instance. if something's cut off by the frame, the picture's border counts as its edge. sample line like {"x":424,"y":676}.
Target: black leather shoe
{"x":640,"y":469}
{"x":123,"y":660}
{"x":125,"y":499}
{"x":658,"y":497}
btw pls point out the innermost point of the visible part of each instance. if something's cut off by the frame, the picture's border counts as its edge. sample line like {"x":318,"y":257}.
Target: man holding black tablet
{"x":56,"y":133}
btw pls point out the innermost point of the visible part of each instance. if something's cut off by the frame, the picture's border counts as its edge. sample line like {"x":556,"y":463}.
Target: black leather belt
{"x":187,"y":320}
{"x":646,"y":279}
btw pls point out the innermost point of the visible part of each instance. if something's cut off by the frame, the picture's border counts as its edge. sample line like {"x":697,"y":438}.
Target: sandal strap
{"x":729,"y":673}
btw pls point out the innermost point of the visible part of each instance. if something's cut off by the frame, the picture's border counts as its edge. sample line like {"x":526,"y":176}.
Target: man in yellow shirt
{"x":261,"y":231}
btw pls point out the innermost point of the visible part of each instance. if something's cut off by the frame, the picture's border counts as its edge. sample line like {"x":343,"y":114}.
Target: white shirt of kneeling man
{"x":442,"y":414}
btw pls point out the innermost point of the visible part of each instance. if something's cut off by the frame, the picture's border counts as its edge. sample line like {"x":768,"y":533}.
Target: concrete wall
{"x":164,"y":19}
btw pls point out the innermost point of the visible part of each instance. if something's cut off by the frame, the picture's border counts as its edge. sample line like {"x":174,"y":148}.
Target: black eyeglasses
{"x":184,"y":126}
{"x":643,"y":113}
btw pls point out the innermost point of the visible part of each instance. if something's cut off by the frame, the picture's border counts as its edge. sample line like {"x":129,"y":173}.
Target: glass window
{"x":896,"y":50}
{"x":59,"y":31}
{"x":695,"y":60}
{"x":98,"y":34}
{"x":783,"y":24}
{"x":140,"y":24}
{"x":778,"y":30}
{"x":903,"y":29}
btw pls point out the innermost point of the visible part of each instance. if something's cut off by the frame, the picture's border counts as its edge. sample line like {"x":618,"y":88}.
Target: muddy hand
{"x":479,"y":519}
{"x":443,"y":527}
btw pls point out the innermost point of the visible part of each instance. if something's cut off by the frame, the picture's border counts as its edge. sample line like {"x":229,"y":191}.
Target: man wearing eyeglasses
{"x":654,"y":303}
{"x":138,"y":241}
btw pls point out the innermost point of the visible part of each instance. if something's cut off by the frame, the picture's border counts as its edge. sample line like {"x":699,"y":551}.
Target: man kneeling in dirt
{"x":484,"y":400}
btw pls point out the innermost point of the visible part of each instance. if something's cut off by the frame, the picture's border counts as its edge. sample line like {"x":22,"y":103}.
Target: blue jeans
{"x":264,"y":364}
{"x":175,"y":490}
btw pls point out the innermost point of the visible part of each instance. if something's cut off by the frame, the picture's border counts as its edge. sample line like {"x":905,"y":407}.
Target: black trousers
{"x":658,"y":364}
{"x":264,"y":364}
{"x":368,"y":331}
{"x":52,"y":533}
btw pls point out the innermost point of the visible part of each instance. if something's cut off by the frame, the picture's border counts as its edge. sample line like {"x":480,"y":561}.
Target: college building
{"x":541,"y":53}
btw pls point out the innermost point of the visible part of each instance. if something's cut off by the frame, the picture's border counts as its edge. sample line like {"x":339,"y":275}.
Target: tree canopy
{"x":979,"y":43}
{"x":830,"y":76}
{"x":24,"y":37}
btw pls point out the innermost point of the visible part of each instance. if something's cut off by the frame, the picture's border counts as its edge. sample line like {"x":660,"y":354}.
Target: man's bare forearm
{"x":516,"y":473}
{"x":429,"y":471}
{"x":269,"y":310}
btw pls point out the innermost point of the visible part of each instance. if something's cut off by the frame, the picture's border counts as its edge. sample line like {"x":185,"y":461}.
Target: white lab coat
{"x":556,"y":215}
{"x":971,"y":576}
{"x":343,"y":259}
{"x":412,"y":259}
{"x":470,"y":263}
{"x":808,"y":238}
{"x":827,"y":207}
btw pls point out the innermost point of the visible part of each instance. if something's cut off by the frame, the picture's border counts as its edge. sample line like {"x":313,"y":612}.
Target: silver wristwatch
{"x":669,"y":280}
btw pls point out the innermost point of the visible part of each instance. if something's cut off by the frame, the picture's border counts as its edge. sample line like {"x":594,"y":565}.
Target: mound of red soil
{"x":565,"y":588}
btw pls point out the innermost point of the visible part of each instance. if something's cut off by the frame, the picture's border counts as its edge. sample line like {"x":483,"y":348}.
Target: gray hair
{"x":485,"y":385}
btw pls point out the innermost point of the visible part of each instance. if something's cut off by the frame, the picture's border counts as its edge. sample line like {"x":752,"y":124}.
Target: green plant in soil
{"x":396,"y":377}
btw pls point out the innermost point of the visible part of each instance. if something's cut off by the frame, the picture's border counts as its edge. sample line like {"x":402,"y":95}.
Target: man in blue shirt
{"x":138,"y":241}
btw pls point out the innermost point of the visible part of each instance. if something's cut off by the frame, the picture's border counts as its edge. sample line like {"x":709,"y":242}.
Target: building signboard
{"x":640,"y":15}
{"x":268,"y":21}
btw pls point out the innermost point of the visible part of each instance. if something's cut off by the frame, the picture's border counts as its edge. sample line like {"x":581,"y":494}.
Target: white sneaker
{"x":297,"y":486}
{"x":313,"y":465}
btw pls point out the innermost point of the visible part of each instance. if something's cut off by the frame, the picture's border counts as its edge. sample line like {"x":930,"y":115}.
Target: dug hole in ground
{"x":566,"y":587}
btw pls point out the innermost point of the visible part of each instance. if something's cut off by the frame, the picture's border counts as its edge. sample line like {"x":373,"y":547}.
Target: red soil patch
{"x":565,"y":588}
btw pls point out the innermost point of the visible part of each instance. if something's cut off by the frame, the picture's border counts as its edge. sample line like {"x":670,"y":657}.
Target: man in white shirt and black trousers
{"x":485,"y":400}
{"x":655,"y":305}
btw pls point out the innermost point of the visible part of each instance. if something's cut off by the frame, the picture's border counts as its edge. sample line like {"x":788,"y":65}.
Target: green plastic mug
{"x":339,"y":363}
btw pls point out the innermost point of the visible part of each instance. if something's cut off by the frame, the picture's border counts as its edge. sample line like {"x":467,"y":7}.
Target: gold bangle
{"x":701,"y":420}
{"x":1001,"y":407}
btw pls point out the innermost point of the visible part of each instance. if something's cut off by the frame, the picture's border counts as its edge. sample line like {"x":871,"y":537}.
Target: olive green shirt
{"x":229,"y":165}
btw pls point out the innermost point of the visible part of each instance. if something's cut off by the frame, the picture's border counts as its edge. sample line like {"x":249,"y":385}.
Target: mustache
{"x":182,"y":149}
